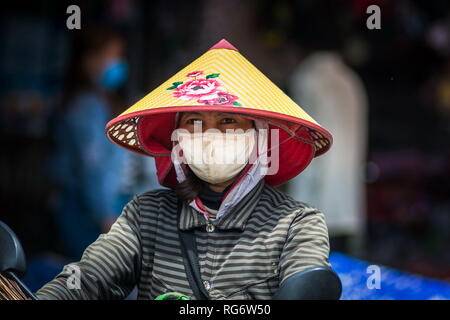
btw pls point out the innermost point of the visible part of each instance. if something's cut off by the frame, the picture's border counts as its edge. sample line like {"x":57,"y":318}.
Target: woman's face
{"x":214,"y":120}
{"x":95,"y":62}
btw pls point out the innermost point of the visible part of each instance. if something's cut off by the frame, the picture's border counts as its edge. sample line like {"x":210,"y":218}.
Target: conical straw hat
{"x":219,"y":80}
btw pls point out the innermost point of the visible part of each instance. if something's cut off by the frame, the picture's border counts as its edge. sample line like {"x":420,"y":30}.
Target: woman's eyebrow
{"x":192,"y":113}
{"x":227,"y":114}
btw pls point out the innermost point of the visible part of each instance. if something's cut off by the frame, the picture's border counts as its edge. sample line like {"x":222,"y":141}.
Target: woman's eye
{"x":227,"y":120}
{"x":193,"y":121}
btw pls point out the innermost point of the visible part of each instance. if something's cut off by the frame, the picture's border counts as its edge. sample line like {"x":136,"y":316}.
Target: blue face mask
{"x":114,"y":75}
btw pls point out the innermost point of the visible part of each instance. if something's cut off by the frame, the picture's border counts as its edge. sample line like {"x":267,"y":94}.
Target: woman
{"x":222,"y":134}
{"x":86,"y":167}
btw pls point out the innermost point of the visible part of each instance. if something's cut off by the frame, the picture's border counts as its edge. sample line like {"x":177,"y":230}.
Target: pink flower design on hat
{"x":198,"y":88}
{"x":194,"y":74}
{"x":222,"y":98}
{"x":205,"y":90}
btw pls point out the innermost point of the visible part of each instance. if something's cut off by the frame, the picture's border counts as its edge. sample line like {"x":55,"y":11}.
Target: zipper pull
{"x":210,"y":227}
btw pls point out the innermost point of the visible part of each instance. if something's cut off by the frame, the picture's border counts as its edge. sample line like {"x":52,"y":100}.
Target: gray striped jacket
{"x":245,"y":254}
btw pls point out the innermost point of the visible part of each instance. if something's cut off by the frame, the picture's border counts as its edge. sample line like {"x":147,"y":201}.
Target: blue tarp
{"x":393,"y":285}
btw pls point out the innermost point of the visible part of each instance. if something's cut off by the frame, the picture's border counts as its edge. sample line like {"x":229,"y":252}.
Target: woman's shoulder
{"x":278,"y":199}
{"x":151,"y":204}
{"x":157,"y":195}
{"x":294,"y":212}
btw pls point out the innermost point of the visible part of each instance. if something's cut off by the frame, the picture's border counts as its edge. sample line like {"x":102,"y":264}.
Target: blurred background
{"x":383,"y":93}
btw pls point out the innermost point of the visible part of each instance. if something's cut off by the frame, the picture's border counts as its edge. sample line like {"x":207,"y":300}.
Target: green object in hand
{"x":172,"y":296}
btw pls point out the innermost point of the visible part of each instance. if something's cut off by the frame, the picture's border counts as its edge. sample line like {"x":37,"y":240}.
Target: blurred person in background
{"x":335,"y":96}
{"x":87,"y":168}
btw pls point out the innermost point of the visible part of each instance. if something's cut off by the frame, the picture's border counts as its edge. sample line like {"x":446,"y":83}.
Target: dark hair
{"x":190,"y":188}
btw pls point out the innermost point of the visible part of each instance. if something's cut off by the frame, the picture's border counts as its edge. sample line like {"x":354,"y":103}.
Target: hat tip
{"x":223,"y":44}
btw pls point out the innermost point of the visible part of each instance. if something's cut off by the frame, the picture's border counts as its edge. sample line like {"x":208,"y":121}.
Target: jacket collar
{"x":235,"y":219}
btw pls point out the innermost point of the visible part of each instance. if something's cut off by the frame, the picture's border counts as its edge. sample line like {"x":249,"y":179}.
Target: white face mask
{"x":216,"y":157}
